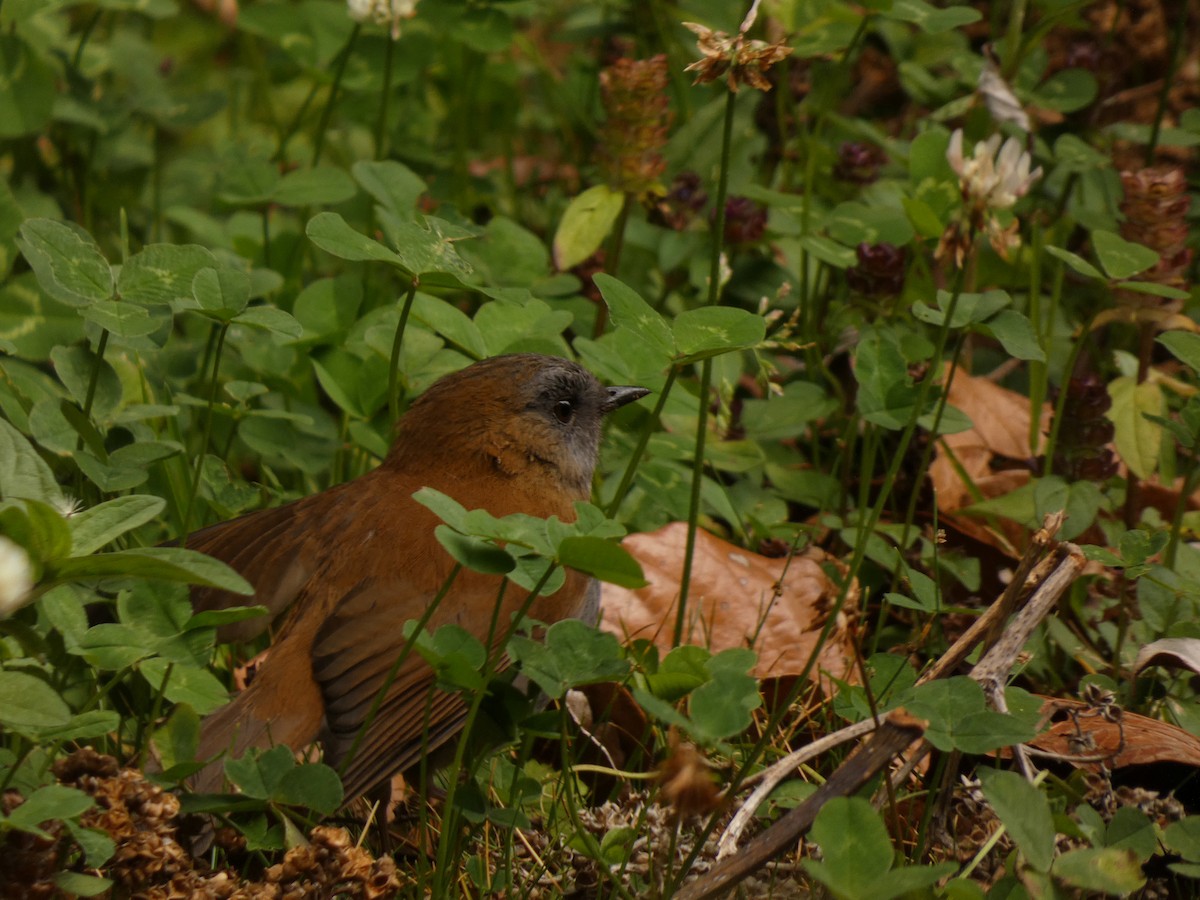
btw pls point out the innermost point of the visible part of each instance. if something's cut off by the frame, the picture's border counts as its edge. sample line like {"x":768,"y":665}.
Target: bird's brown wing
{"x":267,"y":548}
{"x":352,"y":654}
{"x":279,"y":550}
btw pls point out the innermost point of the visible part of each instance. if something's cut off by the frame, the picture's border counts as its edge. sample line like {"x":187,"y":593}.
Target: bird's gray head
{"x":525,"y":411}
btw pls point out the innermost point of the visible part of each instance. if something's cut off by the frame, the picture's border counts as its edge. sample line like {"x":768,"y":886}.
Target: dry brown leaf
{"x":1133,"y":740}
{"x":733,"y":603}
{"x":1173,"y":653}
{"x":1001,"y":430}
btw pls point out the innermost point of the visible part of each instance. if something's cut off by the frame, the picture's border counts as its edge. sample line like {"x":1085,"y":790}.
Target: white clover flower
{"x":389,"y":13}
{"x":16,"y":577}
{"x":989,"y":179}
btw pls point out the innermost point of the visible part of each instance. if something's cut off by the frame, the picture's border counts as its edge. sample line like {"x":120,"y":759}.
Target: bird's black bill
{"x":619,"y":396}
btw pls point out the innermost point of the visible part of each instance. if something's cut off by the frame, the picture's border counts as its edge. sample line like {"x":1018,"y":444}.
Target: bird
{"x":341,"y":571}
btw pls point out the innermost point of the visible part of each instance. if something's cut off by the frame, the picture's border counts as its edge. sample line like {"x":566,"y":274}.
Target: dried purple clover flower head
{"x":858,"y":162}
{"x":745,"y":221}
{"x":682,"y":203}
{"x":880,"y":270}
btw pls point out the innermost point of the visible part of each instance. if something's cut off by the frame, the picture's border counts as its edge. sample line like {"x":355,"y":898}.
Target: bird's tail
{"x":241,"y":725}
{"x":226,"y":734}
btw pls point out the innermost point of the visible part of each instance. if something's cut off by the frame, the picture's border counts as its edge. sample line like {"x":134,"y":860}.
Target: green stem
{"x":397,"y":341}
{"x":911,"y":511}
{"x":94,"y":377}
{"x":84,"y":36}
{"x":1165,"y":93}
{"x":1181,"y":505}
{"x":157,"y":186}
{"x":266,"y":235}
{"x":206,"y":436}
{"x":1060,"y":404}
{"x":1012,"y":38}
{"x":155,"y":712}
{"x":294,"y":126}
{"x":327,"y":112}
{"x":714,"y":290}
{"x":381,"y":124}
{"x":689,"y":551}
{"x":643,"y":439}
{"x":612,"y":261}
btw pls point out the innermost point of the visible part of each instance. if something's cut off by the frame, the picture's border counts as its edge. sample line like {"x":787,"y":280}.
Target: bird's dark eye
{"x":564,"y":411}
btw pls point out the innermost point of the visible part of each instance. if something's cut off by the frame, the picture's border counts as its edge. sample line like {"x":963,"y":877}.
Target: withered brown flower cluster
{"x":151,"y":863}
{"x":634,"y":94}
{"x":745,"y":60}
{"x":1155,"y":206}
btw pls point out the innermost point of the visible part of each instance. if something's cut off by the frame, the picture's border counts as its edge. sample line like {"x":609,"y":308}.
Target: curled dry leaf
{"x":734,"y":602}
{"x":1174,"y":653}
{"x":1000,"y":432}
{"x":994,"y":457}
{"x":1125,"y":740}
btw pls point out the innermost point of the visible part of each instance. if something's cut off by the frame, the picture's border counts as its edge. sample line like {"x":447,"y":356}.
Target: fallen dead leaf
{"x":966,"y":468}
{"x":734,"y":603}
{"x":1131,"y":740}
{"x":1173,"y":653}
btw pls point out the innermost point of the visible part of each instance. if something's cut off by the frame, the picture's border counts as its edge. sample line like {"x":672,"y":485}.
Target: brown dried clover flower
{"x":634,"y":94}
{"x":745,"y":60}
{"x":1155,"y":207}
{"x":332,"y":863}
{"x":687,"y":781}
{"x":149,"y":861}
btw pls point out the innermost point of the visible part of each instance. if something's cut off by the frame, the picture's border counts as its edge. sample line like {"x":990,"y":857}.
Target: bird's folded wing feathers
{"x":352,"y":655}
{"x":267,"y":549}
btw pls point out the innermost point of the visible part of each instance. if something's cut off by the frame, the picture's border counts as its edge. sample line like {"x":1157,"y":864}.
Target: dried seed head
{"x":634,"y":93}
{"x":745,"y":60}
{"x":1156,"y":206}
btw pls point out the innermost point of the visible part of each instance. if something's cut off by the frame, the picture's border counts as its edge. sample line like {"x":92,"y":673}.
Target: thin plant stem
{"x":1038,"y":370}
{"x":327,"y":112}
{"x":84,"y":36}
{"x":1012,"y":37}
{"x":157,"y":186}
{"x":94,"y":377}
{"x":689,"y":552}
{"x":1165,"y":93}
{"x":640,"y":448}
{"x":394,"y":670}
{"x":914,"y":495}
{"x":206,"y":436}
{"x":714,"y":289}
{"x":1060,"y":405}
{"x":397,"y":342}
{"x":612,"y":261}
{"x":1181,"y":505}
{"x":294,"y":125}
{"x":384,"y":98}
{"x":266,"y":235}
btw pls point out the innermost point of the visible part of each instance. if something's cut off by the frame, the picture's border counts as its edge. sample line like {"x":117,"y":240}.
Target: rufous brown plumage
{"x":343,"y":570}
